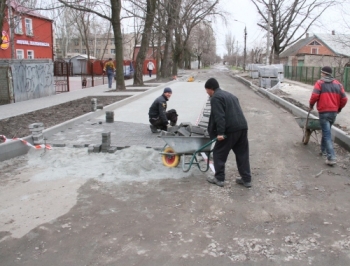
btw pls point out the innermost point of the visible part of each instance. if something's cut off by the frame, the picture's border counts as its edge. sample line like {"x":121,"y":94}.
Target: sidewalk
{"x":14,"y":109}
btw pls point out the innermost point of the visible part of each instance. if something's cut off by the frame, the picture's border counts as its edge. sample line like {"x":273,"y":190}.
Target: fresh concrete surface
{"x":188,"y":99}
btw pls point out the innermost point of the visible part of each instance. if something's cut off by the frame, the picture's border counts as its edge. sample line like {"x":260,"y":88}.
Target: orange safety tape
{"x":37,"y":147}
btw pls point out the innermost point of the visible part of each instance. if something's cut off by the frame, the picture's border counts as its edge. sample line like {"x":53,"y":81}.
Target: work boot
{"x":213,"y":180}
{"x":153,"y":129}
{"x":323,"y":154}
{"x":331,"y":162}
{"x":241,"y":182}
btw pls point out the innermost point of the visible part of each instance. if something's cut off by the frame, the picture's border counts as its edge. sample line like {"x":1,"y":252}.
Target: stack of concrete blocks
{"x":109,"y":116}
{"x":93,"y":104}
{"x":253,"y":70}
{"x":204,"y":121}
{"x":106,"y":141}
{"x":268,"y":76}
{"x":37,"y":133}
{"x":186,"y":129}
{"x":105,"y":147}
{"x":280,"y":71}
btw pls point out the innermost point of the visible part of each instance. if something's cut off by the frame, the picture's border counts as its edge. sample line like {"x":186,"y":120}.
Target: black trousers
{"x":170,"y":115}
{"x":238,"y":143}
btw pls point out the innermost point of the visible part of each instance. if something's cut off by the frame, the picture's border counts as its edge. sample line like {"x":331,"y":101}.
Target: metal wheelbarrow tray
{"x":308,"y":125}
{"x":177,"y":146}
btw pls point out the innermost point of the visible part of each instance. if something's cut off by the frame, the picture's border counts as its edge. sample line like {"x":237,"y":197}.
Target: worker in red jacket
{"x":330,"y":97}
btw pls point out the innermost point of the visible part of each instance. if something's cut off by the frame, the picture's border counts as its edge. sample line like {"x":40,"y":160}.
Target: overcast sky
{"x":246,"y":12}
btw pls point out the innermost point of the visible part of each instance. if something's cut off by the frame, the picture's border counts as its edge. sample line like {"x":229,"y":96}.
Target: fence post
{"x":346,"y":76}
{"x":67,"y":74}
{"x":306,"y":70}
{"x":92,"y":75}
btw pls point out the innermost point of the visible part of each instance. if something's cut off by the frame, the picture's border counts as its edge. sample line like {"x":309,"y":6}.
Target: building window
{"x":76,"y":42}
{"x":83,"y":51}
{"x":112,"y":51}
{"x":19,"y":54}
{"x":98,"y":51}
{"x":76,"y":51}
{"x":18,"y":24}
{"x":29,"y":26}
{"x":314,"y":51}
{"x":30,"y":54}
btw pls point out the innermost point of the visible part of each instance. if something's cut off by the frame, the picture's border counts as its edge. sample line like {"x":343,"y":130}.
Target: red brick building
{"x":318,"y":50}
{"x":32,"y":34}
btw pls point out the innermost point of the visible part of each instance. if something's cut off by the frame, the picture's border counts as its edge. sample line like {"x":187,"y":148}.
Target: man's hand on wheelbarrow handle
{"x":221,"y":137}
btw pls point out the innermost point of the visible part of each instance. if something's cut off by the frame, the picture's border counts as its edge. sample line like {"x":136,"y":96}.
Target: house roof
{"x":337,"y":43}
{"x":293,"y":49}
{"x":22,"y":9}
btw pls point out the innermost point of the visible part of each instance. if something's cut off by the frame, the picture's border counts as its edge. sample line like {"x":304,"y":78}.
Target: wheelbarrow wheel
{"x":306,"y":136}
{"x":170,"y":160}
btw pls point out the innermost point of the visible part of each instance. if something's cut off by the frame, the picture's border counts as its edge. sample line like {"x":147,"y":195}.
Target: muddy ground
{"x":17,"y":126}
{"x":72,"y":209}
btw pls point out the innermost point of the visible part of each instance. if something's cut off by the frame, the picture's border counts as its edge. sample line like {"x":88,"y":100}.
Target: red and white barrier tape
{"x":37,"y":147}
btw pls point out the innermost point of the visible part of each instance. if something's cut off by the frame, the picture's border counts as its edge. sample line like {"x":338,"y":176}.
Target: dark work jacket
{"x":226,"y":115}
{"x":158,"y":109}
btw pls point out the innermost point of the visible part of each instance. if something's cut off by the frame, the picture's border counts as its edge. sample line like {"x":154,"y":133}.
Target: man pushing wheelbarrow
{"x":330,"y":97}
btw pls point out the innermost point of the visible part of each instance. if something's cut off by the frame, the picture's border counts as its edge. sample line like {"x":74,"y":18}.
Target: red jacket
{"x":329,"y":94}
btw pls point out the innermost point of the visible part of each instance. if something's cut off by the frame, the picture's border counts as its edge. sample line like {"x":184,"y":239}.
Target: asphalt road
{"x":296,"y":213}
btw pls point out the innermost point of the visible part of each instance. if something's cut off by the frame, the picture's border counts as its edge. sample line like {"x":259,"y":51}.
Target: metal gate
{"x":62,"y":71}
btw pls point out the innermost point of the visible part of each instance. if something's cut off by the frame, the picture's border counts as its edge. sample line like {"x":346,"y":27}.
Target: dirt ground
{"x":17,"y":126}
{"x":71,"y":208}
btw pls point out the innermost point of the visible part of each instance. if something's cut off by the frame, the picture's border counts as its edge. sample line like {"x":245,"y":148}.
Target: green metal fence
{"x":309,"y":75}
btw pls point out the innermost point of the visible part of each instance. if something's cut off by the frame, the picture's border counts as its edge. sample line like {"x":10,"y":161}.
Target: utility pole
{"x":268,"y":34}
{"x":245,"y":48}
{"x":245,"y":44}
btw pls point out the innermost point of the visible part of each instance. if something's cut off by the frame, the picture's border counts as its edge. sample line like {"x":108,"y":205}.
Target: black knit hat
{"x":167,"y":89}
{"x":212,"y":84}
{"x":326,"y":70}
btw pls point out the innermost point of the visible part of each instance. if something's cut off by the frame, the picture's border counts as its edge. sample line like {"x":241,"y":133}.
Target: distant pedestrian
{"x":158,"y":116}
{"x":109,"y":68}
{"x":330,"y":97}
{"x":228,"y":124}
{"x":150,"y":67}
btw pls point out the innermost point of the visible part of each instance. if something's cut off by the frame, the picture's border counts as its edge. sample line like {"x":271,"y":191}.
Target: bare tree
{"x":192,"y":13}
{"x":111,"y":12}
{"x":290,"y":20}
{"x":230,"y":43}
{"x":203,"y":44}
{"x":146,"y":35}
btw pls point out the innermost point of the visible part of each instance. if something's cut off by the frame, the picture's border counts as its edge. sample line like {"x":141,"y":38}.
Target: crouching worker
{"x":158,"y":116}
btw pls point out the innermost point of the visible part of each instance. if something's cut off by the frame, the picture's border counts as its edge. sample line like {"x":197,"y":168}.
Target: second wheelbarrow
{"x":177,"y":146}
{"x":309,"y":125}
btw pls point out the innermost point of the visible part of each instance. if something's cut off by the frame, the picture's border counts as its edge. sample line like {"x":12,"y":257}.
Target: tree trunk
{"x":141,"y":56}
{"x":2,"y":15}
{"x":118,"y":42}
{"x":173,"y":10}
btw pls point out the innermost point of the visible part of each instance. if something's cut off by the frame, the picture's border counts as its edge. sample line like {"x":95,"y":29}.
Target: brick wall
{"x":4,"y":88}
{"x":321,"y":50}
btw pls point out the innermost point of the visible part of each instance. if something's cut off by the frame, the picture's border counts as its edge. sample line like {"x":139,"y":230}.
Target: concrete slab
{"x":188,"y":99}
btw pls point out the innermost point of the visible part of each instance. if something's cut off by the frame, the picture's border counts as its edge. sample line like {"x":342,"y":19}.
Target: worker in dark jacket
{"x":158,"y":116}
{"x":330,"y":96}
{"x":228,"y":124}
